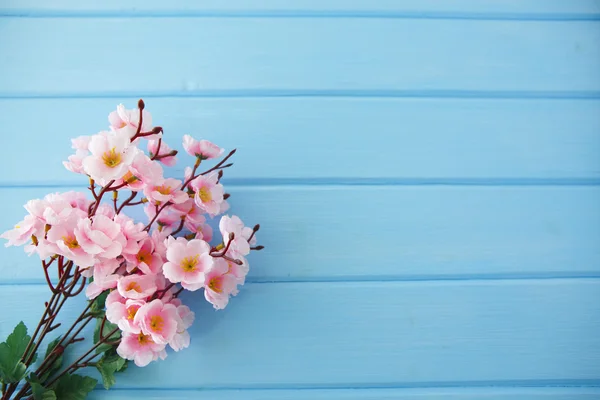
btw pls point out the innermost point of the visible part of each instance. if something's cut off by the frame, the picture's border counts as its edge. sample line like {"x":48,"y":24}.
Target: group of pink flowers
{"x":143,"y":266}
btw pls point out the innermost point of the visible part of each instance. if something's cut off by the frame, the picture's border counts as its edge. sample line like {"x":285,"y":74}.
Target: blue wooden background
{"x":426,"y":173}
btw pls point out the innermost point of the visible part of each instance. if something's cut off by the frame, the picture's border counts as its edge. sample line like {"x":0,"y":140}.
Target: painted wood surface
{"x":426,"y":175}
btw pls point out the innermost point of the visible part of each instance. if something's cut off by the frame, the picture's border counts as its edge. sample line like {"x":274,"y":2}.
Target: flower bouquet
{"x":131,"y":272}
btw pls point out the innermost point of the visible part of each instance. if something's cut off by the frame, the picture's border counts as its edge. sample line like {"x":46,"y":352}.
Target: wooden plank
{"x":549,"y":393}
{"x":501,"y":8}
{"x":372,"y":334}
{"x":298,"y":55}
{"x":329,"y":138}
{"x":414,"y":232}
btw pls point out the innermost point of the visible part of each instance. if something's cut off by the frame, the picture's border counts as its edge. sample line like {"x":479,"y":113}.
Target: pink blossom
{"x":201,"y":229}
{"x":64,"y":240}
{"x":137,"y":287}
{"x":159,"y":320}
{"x":74,"y":162}
{"x":187,"y":262}
{"x":241,"y":233}
{"x":77,"y":200}
{"x":142,"y":172}
{"x":146,"y":259}
{"x":101,"y":237}
{"x":166,"y":190}
{"x":237,"y":270}
{"x":133,"y":233}
{"x":106,"y":210}
{"x":166,"y":219}
{"x":127,"y":121}
{"x":219,"y":284}
{"x":181,"y":340}
{"x":23,"y":231}
{"x":57,"y":208}
{"x":166,"y":155}
{"x":81,"y":143}
{"x":111,"y":155}
{"x":209,"y":193}
{"x":123,"y":314}
{"x":201,"y":148}
{"x":140,"y":348}
{"x":104,"y":277}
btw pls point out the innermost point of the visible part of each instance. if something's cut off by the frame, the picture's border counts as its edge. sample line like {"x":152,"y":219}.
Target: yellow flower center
{"x":129,"y":177}
{"x":131,"y":311}
{"x":162,"y":189}
{"x":157,"y":323}
{"x":188,"y":264}
{"x":134,"y":286}
{"x":70,"y":241}
{"x":216,"y":284}
{"x":144,"y":339}
{"x":144,"y":256}
{"x":205,"y":195}
{"x":111,"y":158}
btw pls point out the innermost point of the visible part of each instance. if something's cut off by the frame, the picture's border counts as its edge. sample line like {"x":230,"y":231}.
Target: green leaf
{"x":74,"y":387}
{"x":108,"y":328}
{"x":11,"y":368}
{"x":38,"y":390}
{"x":108,"y":365}
{"x":98,"y":304}
{"x":57,"y":363}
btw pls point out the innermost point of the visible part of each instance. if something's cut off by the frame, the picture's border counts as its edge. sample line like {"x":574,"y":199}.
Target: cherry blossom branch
{"x":220,"y":164}
{"x":158,"y":211}
{"x":99,"y":199}
{"x":126,"y":202}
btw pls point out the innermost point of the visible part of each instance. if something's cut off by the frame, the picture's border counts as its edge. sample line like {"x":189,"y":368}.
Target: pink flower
{"x":187,"y":262}
{"x":142,"y":172}
{"x":167,"y":190}
{"x":137,"y":287}
{"x":23,"y":231}
{"x":127,"y":121}
{"x":201,"y":229}
{"x":123,"y":314}
{"x":77,"y":200}
{"x":209,"y":193}
{"x":219,"y":284}
{"x":140,"y":348}
{"x":202,"y":148}
{"x":75,"y":162}
{"x":111,"y":156}
{"x":159,"y":320}
{"x":81,"y":143}
{"x":133,"y":233}
{"x":104,"y":277}
{"x":146,"y":259}
{"x":241,"y":233}
{"x":57,"y":208}
{"x":166,"y":155}
{"x":64,"y":241}
{"x":238,"y":271}
{"x":181,"y":340}
{"x":101,"y":237}
{"x":166,"y":219}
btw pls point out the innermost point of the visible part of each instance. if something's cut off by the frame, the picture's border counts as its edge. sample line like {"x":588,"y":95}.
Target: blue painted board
{"x":193,"y":56}
{"x":488,"y":393}
{"x":476,"y":8}
{"x":389,"y":232}
{"x":330,"y":139}
{"x":373,"y":334}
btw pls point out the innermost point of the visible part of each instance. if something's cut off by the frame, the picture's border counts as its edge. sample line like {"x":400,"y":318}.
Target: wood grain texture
{"x":495,"y":393}
{"x":498,"y":8}
{"x":331,"y":139}
{"x":240,"y":56}
{"x":369,"y":334}
{"x":328,"y":233}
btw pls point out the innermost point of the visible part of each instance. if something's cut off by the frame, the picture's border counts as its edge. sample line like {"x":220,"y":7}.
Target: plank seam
{"x":351,"y":182}
{"x":449,"y":279}
{"x":372,"y":14}
{"x":312,"y":93}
